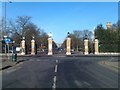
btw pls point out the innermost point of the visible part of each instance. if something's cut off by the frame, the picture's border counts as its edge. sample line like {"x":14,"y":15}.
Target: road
{"x":60,"y":72}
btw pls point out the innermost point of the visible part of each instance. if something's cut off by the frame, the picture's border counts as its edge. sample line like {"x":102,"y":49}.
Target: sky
{"x":62,"y":17}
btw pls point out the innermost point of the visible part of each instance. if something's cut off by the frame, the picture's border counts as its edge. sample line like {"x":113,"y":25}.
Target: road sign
{"x":7,"y":40}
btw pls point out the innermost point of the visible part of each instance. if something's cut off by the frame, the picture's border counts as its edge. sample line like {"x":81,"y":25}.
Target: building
{"x":109,"y":25}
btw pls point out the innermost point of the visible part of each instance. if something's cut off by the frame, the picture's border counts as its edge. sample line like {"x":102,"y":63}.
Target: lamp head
{"x":23,"y":38}
{"x":68,"y":34}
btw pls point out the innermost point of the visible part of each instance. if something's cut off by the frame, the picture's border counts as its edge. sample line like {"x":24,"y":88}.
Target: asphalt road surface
{"x":60,"y":72}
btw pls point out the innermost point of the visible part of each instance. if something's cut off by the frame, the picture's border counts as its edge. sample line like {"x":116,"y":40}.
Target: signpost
{"x":7,"y":41}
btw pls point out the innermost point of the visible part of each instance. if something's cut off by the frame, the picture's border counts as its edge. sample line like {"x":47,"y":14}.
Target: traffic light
{"x":99,"y":44}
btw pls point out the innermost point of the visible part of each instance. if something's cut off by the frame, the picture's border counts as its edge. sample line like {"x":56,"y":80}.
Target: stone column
{"x":85,"y":46}
{"x":33,"y":46}
{"x":96,"y":46}
{"x":23,"y":46}
{"x":68,"y":45}
{"x":50,"y":46}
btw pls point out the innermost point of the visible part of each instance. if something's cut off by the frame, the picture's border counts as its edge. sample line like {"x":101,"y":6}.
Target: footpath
{"x":6,"y":63}
{"x":112,"y":64}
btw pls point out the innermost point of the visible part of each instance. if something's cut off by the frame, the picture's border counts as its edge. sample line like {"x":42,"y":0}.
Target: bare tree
{"x":22,"y":24}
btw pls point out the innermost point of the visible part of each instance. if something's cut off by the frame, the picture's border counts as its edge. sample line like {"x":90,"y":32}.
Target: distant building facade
{"x":109,"y":25}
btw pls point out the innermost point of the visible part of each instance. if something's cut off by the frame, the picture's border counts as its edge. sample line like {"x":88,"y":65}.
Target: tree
{"x":23,"y":26}
{"x":63,"y":44}
{"x":77,"y":38}
{"x":118,"y":38}
{"x":43,"y":40}
{"x":17,"y":29}
{"x":54,"y":45}
{"x":108,"y":38}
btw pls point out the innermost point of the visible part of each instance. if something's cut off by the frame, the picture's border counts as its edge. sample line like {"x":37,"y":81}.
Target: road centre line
{"x":54,"y":82}
{"x":56,"y":68}
{"x":54,"y":79}
{"x":56,"y":61}
{"x":54,"y":86}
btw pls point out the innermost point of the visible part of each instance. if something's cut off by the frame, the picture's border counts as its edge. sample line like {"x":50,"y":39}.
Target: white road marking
{"x":82,"y":83}
{"x":54,"y":86}
{"x":11,"y":70}
{"x":31,"y":60}
{"x":54,"y":79}
{"x":56,"y":61}
{"x":61,"y":56}
{"x":79,"y":84}
{"x":86,"y":83}
{"x":19,"y":68}
{"x":38,"y":60}
{"x":56,"y":68}
{"x":54,"y":82}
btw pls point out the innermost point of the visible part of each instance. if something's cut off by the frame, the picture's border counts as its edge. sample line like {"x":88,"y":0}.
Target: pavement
{"x":113,"y":65}
{"x":7,"y":63}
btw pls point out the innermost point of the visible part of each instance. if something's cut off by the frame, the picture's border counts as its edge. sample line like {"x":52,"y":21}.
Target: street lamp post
{"x":5,"y":18}
{"x":5,"y":35}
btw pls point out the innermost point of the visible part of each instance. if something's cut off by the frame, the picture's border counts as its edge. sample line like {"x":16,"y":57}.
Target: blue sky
{"x":62,"y":17}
